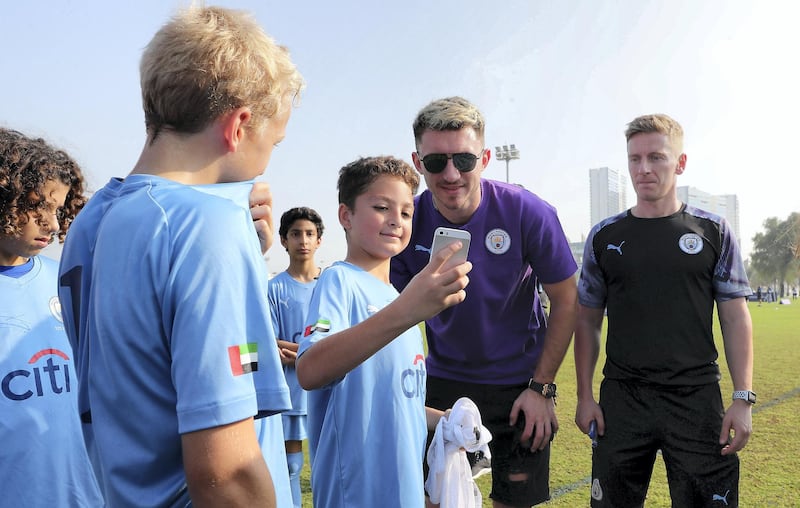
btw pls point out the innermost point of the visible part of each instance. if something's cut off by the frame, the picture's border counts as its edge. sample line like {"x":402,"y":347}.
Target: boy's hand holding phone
{"x":438,"y":286}
{"x":443,"y":237}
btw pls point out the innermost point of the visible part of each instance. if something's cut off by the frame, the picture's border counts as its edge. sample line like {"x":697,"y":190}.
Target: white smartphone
{"x":443,"y":237}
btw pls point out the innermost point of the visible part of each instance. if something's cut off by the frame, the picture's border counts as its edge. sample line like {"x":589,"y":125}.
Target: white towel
{"x":450,"y":482}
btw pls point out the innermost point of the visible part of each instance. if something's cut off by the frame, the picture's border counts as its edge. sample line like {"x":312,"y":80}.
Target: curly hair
{"x":26,"y":165}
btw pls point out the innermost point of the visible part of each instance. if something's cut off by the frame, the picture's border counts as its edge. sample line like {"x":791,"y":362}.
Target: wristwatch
{"x":547,"y":390}
{"x":745,"y":395}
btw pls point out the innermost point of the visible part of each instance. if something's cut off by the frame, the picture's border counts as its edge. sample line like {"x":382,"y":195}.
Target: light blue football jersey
{"x":367,"y":431}
{"x":178,"y":320}
{"x":288,"y":304}
{"x":43,"y":460}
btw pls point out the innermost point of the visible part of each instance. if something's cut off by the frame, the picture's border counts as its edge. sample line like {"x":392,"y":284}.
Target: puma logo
{"x":724,"y":499}
{"x":617,"y":248}
{"x":422,"y":248}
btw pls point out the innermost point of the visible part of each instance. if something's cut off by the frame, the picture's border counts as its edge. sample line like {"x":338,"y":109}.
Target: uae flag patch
{"x":323,"y":325}
{"x":244,"y":358}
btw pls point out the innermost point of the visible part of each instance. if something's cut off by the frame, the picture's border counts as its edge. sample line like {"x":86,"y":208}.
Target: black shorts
{"x":684,"y":423}
{"x":508,"y":457}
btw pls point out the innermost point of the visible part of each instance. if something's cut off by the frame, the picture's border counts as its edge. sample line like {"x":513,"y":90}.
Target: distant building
{"x":726,"y":205}
{"x":607,"y":193}
{"x":577,"y":252}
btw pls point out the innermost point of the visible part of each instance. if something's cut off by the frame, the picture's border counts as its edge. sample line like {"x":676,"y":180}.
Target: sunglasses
{"x":464,"y":162}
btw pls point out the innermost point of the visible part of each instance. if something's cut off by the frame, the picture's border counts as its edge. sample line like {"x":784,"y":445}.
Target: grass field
{"x":770,"y":464}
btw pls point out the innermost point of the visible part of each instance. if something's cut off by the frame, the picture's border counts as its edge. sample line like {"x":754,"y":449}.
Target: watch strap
{"x":745,"y":395}
{"x":546,"y":390}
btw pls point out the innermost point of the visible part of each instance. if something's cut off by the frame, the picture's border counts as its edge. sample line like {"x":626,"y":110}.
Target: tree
{"x":776,"y":250}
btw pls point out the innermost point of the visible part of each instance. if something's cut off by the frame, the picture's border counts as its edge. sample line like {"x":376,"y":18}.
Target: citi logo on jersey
{"x":412,"y":380}
{"x":23,"y":384}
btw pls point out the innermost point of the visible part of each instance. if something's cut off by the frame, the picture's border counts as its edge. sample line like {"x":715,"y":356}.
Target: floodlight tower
{"x":506,"y":153}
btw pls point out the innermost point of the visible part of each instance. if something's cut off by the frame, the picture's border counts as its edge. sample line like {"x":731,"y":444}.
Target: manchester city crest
{"x":498,"y":241}
{"x":691,"y":243}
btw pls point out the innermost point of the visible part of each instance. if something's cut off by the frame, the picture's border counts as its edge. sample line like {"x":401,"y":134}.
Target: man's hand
{"x":739,"y":419}
{"x":261,"y":210}
{"x":586,"y":411}
{"x":541,"y":423}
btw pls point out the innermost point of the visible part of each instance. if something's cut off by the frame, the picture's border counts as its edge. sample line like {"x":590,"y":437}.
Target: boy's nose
{"x":51,"y":223}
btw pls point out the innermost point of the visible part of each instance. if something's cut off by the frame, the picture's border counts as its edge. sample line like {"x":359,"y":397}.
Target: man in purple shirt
{"x":498,"y":347}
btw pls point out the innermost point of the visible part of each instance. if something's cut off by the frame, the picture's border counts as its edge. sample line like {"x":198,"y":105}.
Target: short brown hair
{"x":292,"y":215}
{"x":355,"y":177}
{"x":207,"y":61}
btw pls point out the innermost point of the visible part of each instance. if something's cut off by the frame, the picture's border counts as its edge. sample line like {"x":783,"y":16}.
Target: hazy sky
{"x":560,"y":79}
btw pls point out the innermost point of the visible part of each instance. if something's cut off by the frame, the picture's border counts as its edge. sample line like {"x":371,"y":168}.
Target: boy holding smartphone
{"x":362,"y":356}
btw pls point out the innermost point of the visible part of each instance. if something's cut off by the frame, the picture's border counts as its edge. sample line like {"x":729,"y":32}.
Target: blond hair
{"x":660,"y":123}
{"x":207,"y":61}
{"x":449,"y":114}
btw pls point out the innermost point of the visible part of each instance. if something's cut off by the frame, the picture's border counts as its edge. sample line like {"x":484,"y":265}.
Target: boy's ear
{"x":233,"y":127}
{"x":344,"y":216}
